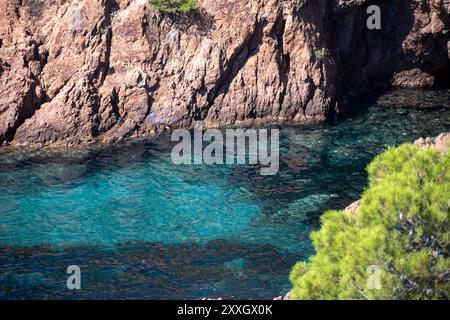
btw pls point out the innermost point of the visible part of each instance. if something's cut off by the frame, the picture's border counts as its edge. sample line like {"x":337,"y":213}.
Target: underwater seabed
{"x":141,"y":227}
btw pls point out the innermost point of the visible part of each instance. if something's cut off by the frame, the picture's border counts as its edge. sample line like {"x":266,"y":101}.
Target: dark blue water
{"x":140,"y":227}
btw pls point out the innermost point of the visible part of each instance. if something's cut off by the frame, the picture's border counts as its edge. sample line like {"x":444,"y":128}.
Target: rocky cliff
{"x":87,"y":70}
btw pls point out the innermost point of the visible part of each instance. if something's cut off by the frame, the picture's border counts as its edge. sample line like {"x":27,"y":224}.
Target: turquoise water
{"x":141,"y":227}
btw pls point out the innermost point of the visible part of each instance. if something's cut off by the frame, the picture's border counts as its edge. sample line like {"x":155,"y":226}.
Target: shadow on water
{"x":146,"y":270}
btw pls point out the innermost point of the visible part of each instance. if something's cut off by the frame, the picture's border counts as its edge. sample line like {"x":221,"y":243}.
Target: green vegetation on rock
{"x":320,"y":54}
{"x":396,"y":244}
{"x":175,"y":6}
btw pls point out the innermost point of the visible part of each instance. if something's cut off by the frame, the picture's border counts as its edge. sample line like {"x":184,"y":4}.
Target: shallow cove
{"x":141,"y":227}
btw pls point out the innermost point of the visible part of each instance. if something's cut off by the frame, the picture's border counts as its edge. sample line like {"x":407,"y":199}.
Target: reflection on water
{"x":140,"y":227}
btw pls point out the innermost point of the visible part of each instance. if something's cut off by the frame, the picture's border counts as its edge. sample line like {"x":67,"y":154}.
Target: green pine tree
{"x":396,"y":245}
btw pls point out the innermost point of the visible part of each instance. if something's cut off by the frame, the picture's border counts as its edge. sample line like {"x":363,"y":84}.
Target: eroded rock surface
{"x":441,"y":143}
{"x":86,"y":70}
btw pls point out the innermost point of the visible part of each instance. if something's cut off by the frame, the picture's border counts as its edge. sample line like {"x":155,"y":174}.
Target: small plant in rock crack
{"x":175,"y":6}
{"x":321,"y":54}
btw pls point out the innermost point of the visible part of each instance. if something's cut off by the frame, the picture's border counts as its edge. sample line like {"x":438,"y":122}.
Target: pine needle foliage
{"x":401,"y":230}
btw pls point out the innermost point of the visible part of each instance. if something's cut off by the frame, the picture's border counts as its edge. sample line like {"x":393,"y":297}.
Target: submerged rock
{"x":78,"y":71}
{"x":417,"y":99}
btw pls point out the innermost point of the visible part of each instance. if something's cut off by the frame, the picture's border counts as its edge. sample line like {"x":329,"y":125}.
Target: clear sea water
{"x":141,"y":227}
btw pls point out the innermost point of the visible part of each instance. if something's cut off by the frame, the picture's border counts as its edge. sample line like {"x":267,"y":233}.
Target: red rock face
{"x":80,"y":71}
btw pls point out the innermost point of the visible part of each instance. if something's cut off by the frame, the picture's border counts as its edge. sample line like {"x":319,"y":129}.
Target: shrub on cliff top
{"x":175,"y":6}
{"x":396,"y":244}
